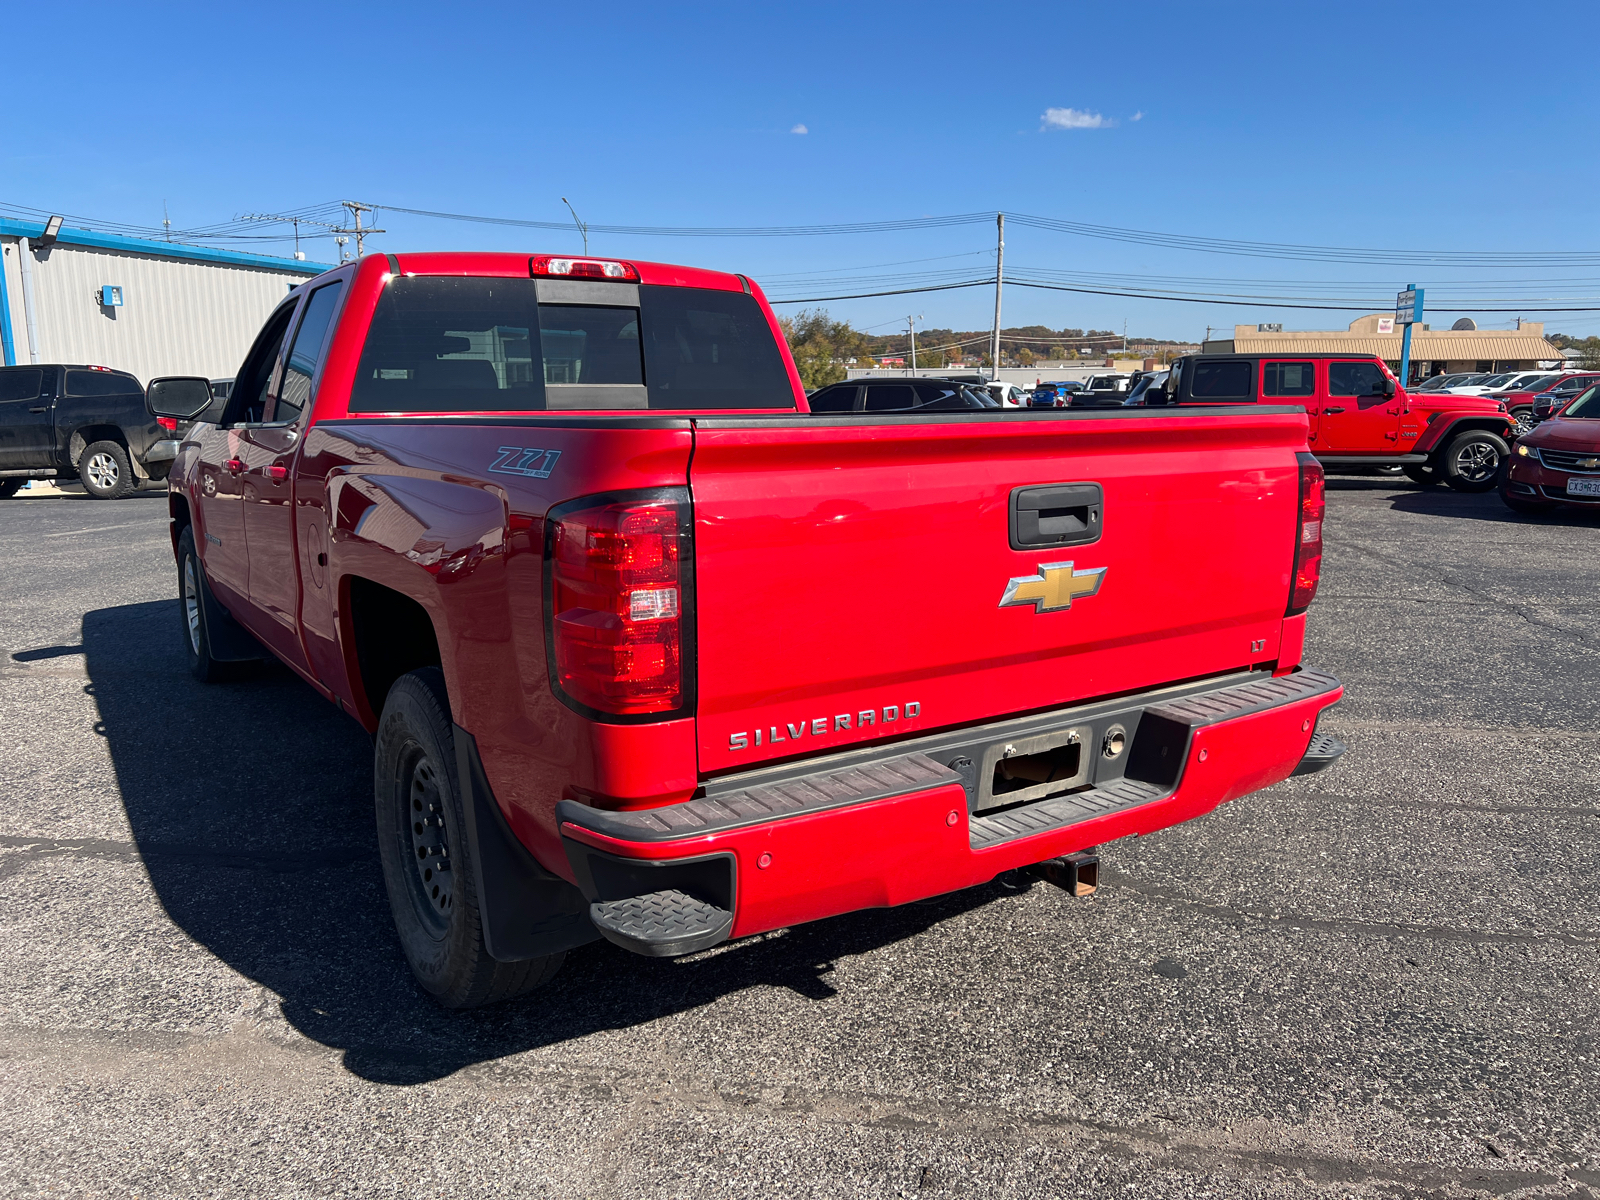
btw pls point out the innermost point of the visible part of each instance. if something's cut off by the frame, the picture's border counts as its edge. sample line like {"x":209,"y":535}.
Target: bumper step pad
{"x":661,"y":924}
{"x":1324,"y":751}
{"x":1056,"y":812}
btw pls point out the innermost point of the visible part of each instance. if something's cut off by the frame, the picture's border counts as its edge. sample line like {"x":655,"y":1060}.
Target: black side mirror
{"x":180,"y":396}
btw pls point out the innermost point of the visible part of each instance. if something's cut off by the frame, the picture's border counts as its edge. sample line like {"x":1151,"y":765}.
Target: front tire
{"x":428,"y":868}
{"x":1472,"y":461}
{"x":1423,"y":474}
{"x":105,"y":471}
{"x":192,"y":613}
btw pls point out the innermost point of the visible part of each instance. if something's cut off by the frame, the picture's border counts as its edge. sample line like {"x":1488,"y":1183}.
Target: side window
{"x":248,"y":400}
{"x":1288,"y":378}
{"x":834,"y":399}
{"x":886,"y":397}
{"x":20,"y":384}
{"x":100,"y":383}
{"x":305,"y":353}
{"x":1355,"y":379}
{"x":1224,"y":380}
{"x":932,"y":393}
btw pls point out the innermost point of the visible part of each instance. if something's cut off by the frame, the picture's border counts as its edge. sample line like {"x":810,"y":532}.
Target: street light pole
{"x":999,"y":278}
{"x":582,"y":228}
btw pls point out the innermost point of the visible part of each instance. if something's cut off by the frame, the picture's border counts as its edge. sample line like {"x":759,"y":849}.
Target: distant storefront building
{"x":1433,"y":351}
{"x":146,"y":307}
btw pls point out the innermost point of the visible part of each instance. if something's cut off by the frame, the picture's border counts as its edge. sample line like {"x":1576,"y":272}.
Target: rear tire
{"x":105,"y":471}
{"x":1423,"y":474}
{"x":427,"y":864}
{"x":10,"y":487}
{"x":1472,"y":461}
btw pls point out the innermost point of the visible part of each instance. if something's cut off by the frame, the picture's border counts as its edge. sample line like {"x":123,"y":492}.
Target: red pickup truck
{"x":1359,"y":414}
{"x":653,"y":653}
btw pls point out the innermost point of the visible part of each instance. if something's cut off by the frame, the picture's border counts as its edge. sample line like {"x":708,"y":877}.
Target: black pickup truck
{"x":86,"y":421}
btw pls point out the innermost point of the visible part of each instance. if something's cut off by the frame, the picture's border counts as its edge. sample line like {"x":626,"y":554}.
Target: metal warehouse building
{"x":146,"y":307}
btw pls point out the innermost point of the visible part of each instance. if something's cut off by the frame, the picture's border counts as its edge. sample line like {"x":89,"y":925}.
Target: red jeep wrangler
{"x":653,"y":653}
{"x":1359,"y":414}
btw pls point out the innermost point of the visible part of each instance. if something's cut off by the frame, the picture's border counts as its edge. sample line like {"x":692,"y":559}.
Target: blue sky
{"x":1393,"y":126}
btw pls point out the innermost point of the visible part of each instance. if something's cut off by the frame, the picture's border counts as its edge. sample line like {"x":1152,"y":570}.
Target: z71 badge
{"x":518,"y":460}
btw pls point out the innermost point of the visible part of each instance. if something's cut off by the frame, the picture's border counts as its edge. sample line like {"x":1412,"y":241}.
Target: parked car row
{"x":1558,"y":463}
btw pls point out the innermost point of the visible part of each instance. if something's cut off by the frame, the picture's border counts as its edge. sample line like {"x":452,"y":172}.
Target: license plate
{"x":1583,"y":487}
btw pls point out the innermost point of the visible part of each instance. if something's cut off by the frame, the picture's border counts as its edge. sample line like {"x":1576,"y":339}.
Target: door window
{"x":1288,"y":379}
{"x":21,"y":384}
{"x":834,"y":399}
{"x":886,"y":397}
{"x":1355,"y":379}
{"x":305,"y":353}
{"x":247,"y":401}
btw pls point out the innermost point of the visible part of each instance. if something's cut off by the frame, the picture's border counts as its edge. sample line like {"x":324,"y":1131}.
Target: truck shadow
{"x":250,"y":805}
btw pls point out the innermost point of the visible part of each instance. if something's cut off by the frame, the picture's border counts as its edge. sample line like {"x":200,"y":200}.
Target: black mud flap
{"x":227,"y":640}
{"x":526,"y":911}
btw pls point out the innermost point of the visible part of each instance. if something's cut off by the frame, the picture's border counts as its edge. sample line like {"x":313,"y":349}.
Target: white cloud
{"x":799,"y":129}
{"x":1073,"y":118}
{"x":1138,"y":116}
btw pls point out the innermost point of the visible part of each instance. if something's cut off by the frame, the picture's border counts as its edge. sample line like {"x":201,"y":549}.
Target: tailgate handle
{"x":1056,"y":514}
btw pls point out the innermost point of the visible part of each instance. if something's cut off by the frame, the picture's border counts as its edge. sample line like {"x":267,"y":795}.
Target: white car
{"x":1494,"y":383}
{"x":1008,"y":394}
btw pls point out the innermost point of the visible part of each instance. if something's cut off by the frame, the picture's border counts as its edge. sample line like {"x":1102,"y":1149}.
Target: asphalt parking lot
{"x":1379,"y":981}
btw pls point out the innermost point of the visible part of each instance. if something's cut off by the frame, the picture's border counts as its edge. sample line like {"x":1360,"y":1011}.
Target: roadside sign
{"x":1385,"y":324}
{"x":1406,"y":305}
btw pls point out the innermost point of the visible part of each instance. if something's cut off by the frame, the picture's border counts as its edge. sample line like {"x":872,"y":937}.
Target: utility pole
{"x":582,"y":228}
{"x":355,"y":213}
{"x":911,"y":324}
{"x":999,"y":277}
{"x":166,"y":221}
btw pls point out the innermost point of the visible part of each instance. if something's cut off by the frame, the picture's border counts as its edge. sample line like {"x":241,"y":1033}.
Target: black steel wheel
{"x":428,"y":869}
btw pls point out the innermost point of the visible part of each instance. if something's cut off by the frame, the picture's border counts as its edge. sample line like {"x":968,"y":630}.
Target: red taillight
{"x":618,"y":610}
{"x":1308,"y":535}
{"x":168,"y":423}
{"x":583,"y":268}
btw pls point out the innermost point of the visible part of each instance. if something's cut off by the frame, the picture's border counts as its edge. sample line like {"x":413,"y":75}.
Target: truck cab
{"x":1359,"y":413}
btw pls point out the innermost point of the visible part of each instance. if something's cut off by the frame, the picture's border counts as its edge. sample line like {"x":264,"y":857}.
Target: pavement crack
{"x":32,"y":849}
{"x":1523,"y":611}
{"x":1440,"y":933}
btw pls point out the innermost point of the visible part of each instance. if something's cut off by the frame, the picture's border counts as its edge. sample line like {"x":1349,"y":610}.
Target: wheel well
{"x":178,"y":511}
{"x":1469,"y":425}
{"x":88,"y":435}
{"x":393,"y":634}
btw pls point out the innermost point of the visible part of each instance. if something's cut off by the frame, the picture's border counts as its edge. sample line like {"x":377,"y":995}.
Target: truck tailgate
{"x":850,"y":573}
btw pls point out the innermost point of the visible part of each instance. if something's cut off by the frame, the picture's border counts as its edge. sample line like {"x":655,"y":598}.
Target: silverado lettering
{"x":550,"y":662}
{"x":865,"y":718}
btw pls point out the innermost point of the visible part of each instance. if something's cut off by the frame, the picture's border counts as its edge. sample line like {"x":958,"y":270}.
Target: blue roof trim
{"x":115,"y":241}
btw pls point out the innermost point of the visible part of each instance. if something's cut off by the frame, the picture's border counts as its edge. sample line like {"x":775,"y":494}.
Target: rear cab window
{"x":475,"y":344}
{"x":101,"y":383}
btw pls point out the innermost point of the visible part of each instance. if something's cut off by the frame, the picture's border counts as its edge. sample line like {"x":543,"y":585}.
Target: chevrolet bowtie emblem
{"x":1589,"y":462}
{"x":1053,"y":588}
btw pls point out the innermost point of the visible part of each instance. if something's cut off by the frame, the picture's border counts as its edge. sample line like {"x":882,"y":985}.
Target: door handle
{"x":234,"y":466}
{"x":278,"y":472}
{"x":1330,"y":411}
{"x":41,"y":408}
{"x":1057,"y":514}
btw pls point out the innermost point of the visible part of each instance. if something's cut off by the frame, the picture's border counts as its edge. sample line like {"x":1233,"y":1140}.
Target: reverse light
{"x":617,"y":610}
{"x":583,"y":268}
{"x":1308,"y":535}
